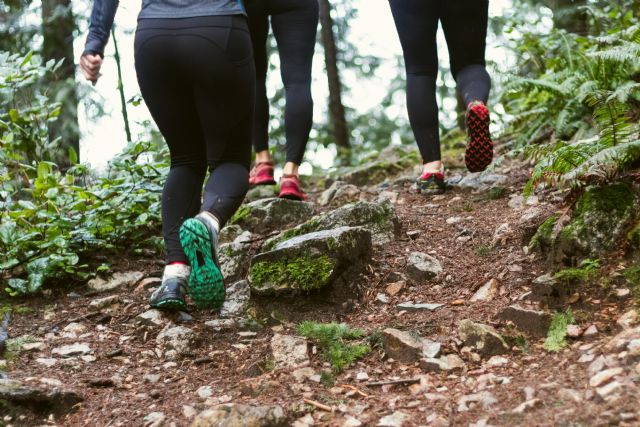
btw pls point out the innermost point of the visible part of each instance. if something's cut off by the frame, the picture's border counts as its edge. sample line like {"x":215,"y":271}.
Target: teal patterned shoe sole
{"x":172,"y":304}
{"x":206,"y":285}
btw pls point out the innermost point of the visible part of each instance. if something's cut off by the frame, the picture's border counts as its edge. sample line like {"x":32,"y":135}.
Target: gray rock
{"x":229,"y":233}
{"x":484,"y":338}
{"x":236,"y":415}
{"x":264,"y":215}
{"x":47,"y":362}
{"x":480,"y":181}
{"x":311,"y":261}
{"x":234,"y":257}
{"x":340,"y":193}
{"x":261,"y":192}
{"x":406,"y":347}
{"x":71,"y":350}
{"x":116,"y":281}
{"x":444,"y":363}
{"x":152,"y":317}
{"x":409,"y":306}
{"x":377,"y":171}
{"x":237,"y":300}
{"x":151,"y":378}
{"x":177,"y":338}
{"x":422,"y":267}
{"x":155,"y":419}
{"x":379,"y":219}
{"x":545,"y":289}
{"x":397,"y":419}
{"x":527,"y":406}
{"x":483,"y":398}
{"x":500,"y":236}
{"x":289,"y":351}
{"x":532,"y":322}
{"x":104,"y":302}
{"x":599,"y":220}
{"x":223,"y":325}
{"x":55,"y":400}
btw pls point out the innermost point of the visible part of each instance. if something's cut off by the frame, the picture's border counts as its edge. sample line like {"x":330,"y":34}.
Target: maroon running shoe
{"x":262,"y":174}
{"x":479,"y":152}
{"x":290,"y":188}
{"x":431,"y":183}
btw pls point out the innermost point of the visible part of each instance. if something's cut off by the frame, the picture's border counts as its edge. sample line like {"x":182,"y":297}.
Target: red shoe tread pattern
{"x":479,"y":152}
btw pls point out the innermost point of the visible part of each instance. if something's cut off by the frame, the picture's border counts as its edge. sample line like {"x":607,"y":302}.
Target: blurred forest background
{"x":566,"y":96}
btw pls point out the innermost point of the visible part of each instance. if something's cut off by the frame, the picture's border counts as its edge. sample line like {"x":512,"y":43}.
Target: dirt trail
{"x":123,"y":380}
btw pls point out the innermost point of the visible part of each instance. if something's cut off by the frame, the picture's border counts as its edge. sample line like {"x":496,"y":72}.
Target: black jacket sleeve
{"x":100,"y":25}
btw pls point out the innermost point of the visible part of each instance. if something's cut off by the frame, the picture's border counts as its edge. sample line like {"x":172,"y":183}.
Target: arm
{"x":102,"y":16}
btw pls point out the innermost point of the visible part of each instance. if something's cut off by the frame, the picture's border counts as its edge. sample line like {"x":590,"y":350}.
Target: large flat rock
{"x":311,"y":261}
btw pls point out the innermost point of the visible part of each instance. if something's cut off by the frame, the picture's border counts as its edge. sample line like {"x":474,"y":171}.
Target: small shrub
{"x":331,"y":339}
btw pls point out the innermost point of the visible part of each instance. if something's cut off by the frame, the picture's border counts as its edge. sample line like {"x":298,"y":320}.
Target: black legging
{"x":295,"y":24}
{"x":197,"y":77}
{"x":465,"y":27}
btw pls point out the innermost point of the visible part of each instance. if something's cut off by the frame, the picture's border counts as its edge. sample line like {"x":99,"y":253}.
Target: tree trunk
{"x":58,"y":26}
{"x":568,"y":15}
{"x":336,"y":108}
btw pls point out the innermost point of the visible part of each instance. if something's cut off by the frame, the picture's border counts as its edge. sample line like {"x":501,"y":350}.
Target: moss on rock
{"x":599,"y":221}
{"x":543,"y":239}
{"x":305,"y":273}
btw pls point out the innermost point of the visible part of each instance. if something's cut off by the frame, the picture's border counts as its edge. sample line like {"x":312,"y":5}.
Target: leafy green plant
{"x":576,"y":101}
{"x":558,"y":331}
{"x":587,"y":270}
{"x":332,"y":339}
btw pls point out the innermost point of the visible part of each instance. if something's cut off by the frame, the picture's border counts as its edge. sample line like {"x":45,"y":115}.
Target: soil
{"x":237,"y":368}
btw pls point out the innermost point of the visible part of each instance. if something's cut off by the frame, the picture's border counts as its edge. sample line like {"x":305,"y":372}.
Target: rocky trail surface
{"x":456,"y":295}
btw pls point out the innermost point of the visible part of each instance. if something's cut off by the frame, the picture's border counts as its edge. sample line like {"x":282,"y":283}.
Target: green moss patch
{"x":556,"y":337}
{"x":241,"y":214}
{"x":632,"y":274}
{"x":587,"y":271}
{"x":332,"y":339}
{"x":544,"y":236}
{"x":302,"y":273}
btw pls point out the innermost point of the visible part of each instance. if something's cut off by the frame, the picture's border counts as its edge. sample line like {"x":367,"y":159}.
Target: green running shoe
{"x":200,"y":244}
{"x":170,"y":295}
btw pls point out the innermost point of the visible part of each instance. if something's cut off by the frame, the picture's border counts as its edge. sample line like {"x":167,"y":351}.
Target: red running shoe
{"x":479,"y":152}
{"x":290,"y":188}
{"x":262,"y":174}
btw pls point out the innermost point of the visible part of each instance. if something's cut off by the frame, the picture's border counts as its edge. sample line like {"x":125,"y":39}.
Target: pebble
{"x":396,"y":419}
{"x":204,"y":392}
{"x":394,"y":288}
{"x":104,"y":302}
{"x":574,"y":331}
{"x":496,"y":361}
{"x":46,"y":362}
{"x":486,"y":292}
{"x":606,"y":390}
{"x":155,"y":419}
{"x":418,"y":307}
{"x":71,"y":350}
{"x":362,"y":376}
{"x":151,"y":378}
{"x":570,"y":395}
{"x":382,"y":298}
{"x":189,"y":411}
{"x":604,"y":376}
{"x":51,"y":382}
{"x":527,"y":406}
{"x":591,"y":330}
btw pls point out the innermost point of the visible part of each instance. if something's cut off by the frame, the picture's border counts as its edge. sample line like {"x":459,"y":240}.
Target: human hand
{"x":90,"y":65}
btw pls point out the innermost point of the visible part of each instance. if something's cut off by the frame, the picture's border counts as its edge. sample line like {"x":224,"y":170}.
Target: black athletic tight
{"x":197,"y":77}
{"x":294,"y":25}
{"x":465,"y":28}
